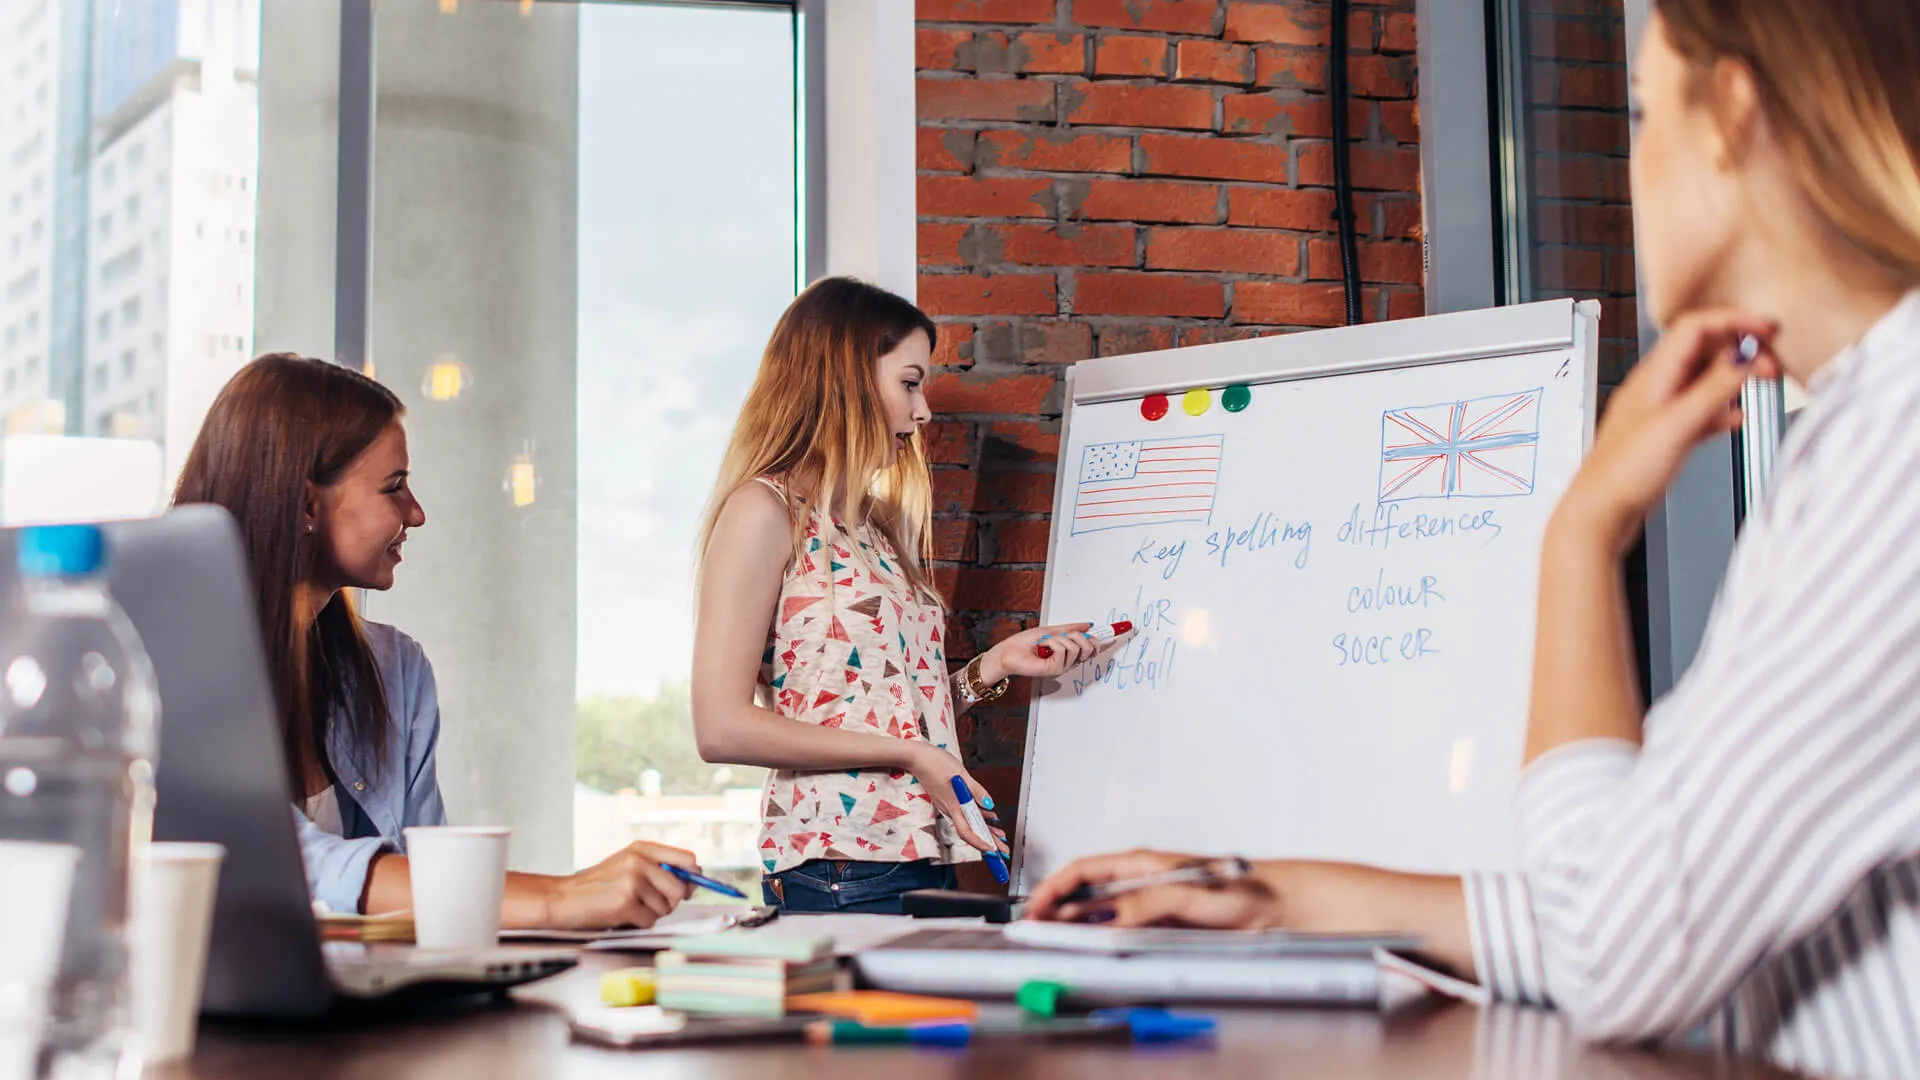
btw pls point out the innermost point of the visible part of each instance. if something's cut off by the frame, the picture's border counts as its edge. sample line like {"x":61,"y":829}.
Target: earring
{"x":309,"y":529}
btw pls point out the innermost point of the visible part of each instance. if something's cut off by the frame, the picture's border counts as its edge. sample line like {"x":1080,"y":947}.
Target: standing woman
{"x":819,"y":649}
{"x":310,"y":458}
{"x":1740,"y":865}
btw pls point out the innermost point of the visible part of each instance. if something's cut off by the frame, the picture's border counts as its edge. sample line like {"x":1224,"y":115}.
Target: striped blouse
{"x":1749,"y":879}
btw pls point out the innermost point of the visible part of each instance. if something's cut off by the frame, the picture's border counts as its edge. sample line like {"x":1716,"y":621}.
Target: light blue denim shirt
{"x":404,"y":791}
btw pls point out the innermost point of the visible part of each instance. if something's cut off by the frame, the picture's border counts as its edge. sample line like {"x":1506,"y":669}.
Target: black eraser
{"x":953,"y":904}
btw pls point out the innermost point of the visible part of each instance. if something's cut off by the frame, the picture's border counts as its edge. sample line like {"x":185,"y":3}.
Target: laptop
{"x":182,"y":581}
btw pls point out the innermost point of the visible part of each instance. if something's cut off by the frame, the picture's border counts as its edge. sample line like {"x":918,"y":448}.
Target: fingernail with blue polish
{"x":1100,"y":916}
{"x":986,"y":801}
{"x":1749,"y":349}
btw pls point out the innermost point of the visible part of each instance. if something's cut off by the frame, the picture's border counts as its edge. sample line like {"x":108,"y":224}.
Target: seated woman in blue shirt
{"x":311,"y":460}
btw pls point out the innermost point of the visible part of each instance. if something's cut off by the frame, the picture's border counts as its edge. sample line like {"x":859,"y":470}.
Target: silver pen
{"x":1203,"y":872}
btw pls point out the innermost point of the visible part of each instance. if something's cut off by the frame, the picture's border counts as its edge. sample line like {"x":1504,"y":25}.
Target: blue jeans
{"x":835,"y":885}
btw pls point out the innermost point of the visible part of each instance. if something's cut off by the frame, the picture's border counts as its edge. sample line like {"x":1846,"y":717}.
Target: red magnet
{"x":1153,"y":406}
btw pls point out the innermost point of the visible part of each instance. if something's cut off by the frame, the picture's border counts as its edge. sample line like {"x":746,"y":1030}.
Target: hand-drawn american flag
{"x":1146,"y":482}
{"x":1482,"y":448}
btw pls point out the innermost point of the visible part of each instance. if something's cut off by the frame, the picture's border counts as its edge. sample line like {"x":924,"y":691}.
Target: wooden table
{"x":528,"y":1037}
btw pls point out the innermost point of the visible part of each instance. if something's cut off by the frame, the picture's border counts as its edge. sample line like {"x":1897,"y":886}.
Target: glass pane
{"x":128,"y":158}
{"x":1565,"y":108}
{"x":575,"y":269}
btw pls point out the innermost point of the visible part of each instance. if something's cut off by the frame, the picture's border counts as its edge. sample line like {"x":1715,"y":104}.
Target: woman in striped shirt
{"x":1739,"y":867}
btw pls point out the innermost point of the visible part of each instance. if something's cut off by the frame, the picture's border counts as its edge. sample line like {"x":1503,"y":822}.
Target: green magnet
{"x":1040,"y":998}
{"x":1235,"y":398}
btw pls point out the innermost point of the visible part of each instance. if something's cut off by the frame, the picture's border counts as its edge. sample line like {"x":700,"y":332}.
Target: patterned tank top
{"x":854,"y":645}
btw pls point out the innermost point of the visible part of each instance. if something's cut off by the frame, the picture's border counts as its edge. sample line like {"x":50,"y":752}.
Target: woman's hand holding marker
{"x":1047,"y":652}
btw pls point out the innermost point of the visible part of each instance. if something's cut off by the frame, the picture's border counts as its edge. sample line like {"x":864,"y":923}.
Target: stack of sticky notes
{"x":742,"y":974}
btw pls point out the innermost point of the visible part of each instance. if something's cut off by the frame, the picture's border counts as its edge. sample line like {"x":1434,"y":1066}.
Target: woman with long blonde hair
{"x":818,"y":652}
{"x":1739,"y":866}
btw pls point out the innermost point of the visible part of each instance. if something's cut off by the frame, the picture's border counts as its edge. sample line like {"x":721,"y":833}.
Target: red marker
{"x":1100,"y":635}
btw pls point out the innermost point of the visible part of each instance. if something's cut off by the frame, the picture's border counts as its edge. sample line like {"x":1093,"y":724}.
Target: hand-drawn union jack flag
{"x":1483,"y":448}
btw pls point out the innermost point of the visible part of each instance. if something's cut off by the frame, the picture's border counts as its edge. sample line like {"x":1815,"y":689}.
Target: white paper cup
{"x":33,"y":927}
{"x":459,"y":874}
{"x":173,"y":891}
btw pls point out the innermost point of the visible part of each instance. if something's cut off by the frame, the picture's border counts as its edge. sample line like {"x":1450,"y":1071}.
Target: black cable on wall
{"x":1343,"y":161}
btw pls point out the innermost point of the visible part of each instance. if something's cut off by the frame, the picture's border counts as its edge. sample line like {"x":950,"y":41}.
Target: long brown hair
{"x":814,"y":417}
{"x":1837,"y":83}
{"x":281,"y":422}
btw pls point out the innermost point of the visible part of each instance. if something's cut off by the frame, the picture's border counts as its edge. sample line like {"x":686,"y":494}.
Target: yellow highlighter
{"x":627,"y":987}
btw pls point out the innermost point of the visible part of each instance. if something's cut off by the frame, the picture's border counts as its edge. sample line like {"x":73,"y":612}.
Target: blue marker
{"x":979,"y":826}
{"x":692,"y":878}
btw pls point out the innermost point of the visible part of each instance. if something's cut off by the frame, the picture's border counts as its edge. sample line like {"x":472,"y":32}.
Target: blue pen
{"x":692,"y":878}
{"x":979,"y":826}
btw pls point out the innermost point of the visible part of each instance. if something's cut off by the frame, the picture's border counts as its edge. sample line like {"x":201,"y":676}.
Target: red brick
{"x":974,"y":392}
{"x":995,"y":11}
{"x":1047,"y":53}
{"x":1587,"y":87}
{"x":1055,"y":151}
{"x":997,"y":590}
{"x":1291,"y":24}
{"x":1265,"y":114}
{"x":1166,"y":16}
{"x":1390,"y":170}
{"x":1559,"y":270}
{"x":1021,"y":542}
{"x":1242,"y":251}
{"x":1565,"y":131}
{"x":938,"y":50}
{"x":978,"y":294}
{"x":1400,"y":33}
{"x":939,"y":243}
{"x":1395,"y":263}
{"x":1609,"y":226}
{"x":1220,"y":159}
{"x":944,"y":148}
{"x":1380,"y":76}
{"x":1212,"y":61}
{"x":955,"y":539}
{"x":1572,"y":39}
{"x":1066,"y":245}
{"x":1148,"y":294}
{"x":955,"y":345}
{"x":1298,"y":69}
{"x":1125,"y":105}
{"x":1401,"y":215}
{"x":984,"y":196}
{"x":1120,"y":339}
{"x":954,"y":492}
{"x":1281,"y":303}
{"x":985,"y":99}
{"x":1406,"y":303}
{"x":1026,"y":442}
{"x":1401,"y":120}
{"x":948,"y":442}
{"x":1053,"y":342}
{"x":1150,"y":200}
{"x":1129,"y":54}
{"x":1306,"y":209}
{"x":1006,"y":491}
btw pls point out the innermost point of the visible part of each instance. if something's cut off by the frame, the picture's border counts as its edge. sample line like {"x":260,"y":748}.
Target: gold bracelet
{"x":979,"y":692}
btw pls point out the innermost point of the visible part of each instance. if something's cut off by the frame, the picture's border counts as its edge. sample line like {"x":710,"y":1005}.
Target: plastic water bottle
{"x":79,"y":731}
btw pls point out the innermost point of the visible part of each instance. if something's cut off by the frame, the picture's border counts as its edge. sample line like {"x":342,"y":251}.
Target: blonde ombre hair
{"x":815,"y":421}
{"x":1837,"y":82}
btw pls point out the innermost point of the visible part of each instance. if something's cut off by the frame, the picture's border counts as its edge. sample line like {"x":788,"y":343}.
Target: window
{"x":615,"y":428}
{"x":112,"y":364}
{"x":13,"y":380}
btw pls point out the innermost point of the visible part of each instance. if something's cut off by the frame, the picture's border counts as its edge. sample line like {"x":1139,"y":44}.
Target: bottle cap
{"x":60,"y":550}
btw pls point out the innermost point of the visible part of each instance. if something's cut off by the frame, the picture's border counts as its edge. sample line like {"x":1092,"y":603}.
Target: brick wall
{"x":1576,"y":116}
{"x":1099,"y":177}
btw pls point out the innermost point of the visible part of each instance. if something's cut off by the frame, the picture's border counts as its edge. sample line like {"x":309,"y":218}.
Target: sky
{"x":686,"y":259}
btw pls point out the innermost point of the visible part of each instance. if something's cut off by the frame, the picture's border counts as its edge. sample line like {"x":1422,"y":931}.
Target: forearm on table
{"x":1348,"y":898}
{"x":751,"y":735}
{"x":526,"y":901}
{"x":1584,"y":681}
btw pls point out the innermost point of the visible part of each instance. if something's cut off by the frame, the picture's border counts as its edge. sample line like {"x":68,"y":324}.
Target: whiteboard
{"x":1333,"y":588}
